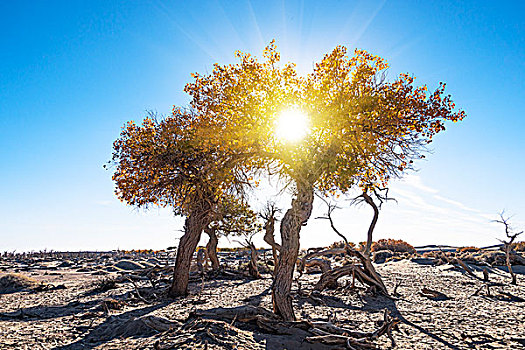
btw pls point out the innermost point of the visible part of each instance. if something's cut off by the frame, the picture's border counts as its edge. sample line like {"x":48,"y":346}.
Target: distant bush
{"x":469,"y":249}
{"x":230,"y":249}
{"x":395,"y":245}
{"x":142,"y":251}
{"x":518,"y":246}
{"x":341,"y":244}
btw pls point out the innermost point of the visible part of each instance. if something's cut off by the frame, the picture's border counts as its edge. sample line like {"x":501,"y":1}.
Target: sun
{"x":292,"y":125}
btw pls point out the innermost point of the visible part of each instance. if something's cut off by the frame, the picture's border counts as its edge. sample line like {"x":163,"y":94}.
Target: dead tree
{"x":507,"y":244}
{"x":253,"y":270}
{"x":269,"y":214}
{"x":366,"y":273}
{"x":381,"y":194}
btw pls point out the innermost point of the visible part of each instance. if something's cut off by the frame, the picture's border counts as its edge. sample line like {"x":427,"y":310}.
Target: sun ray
{"x":292,"y":125}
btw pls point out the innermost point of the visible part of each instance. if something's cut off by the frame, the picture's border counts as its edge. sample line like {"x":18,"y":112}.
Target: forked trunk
{"x":211,"y":247}
{"x":291,"y":223}
{"x":193,"y":227}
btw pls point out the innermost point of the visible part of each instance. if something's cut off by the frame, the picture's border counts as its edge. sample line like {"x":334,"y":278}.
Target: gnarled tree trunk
{"x":211,"y":247}
{"x":291,"y":224}
{"x":269,"y":238}
{"x":195,"y":223}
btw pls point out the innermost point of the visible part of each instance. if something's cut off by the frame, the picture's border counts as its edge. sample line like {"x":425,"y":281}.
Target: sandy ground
{"x":84,"y":317}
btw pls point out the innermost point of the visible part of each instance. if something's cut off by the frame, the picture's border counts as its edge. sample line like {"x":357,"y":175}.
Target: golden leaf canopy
{"x":363,"y":129}
{"x":165,"y":163}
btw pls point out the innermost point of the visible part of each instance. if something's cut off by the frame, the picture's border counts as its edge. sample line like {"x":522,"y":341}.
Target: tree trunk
{"x":291,"y":224}
{"x":509,"y":265}
{"x":370,"y":202}
{"x":270,"y":239}
{"x":193,"y":227}
{"x":211,"y":247}
{"x":252,"y":267}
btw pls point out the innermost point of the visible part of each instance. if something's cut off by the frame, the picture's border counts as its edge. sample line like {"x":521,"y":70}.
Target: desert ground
{"x":118,"y":301}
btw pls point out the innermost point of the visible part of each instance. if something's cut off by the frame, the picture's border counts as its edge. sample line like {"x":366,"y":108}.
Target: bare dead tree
{"x":253,"y":270}
{"x":381,"y":195}
{"x":507,"y":244}
{"x":366,"y":274}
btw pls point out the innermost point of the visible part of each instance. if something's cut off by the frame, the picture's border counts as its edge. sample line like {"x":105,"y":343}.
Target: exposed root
{"x":314,"y":332}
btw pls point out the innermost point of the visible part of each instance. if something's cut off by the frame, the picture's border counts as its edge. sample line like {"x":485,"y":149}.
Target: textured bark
{"x":323,"y":264}
{"x":211,"y":247}
{"x":195,"y":223}
{"x":291,"y":224}
{"x":270,"y":239}
{"x":252,"y":267}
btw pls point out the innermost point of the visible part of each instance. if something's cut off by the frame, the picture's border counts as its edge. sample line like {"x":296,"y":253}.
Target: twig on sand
{"x":137,"y":290}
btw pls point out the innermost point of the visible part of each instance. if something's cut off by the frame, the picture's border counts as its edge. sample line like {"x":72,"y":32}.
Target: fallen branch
{"x":433,"y":294}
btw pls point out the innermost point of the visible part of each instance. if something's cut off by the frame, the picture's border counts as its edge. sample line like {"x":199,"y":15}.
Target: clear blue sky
{"x":73,"y":72}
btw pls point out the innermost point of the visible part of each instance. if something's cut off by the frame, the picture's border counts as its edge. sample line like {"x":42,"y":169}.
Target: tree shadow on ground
{"x":48,"y":312}
{"x":256,"y":300}
{"x":320,"y":299}
{"x":114,"y":327}
{"x":382,"y":302}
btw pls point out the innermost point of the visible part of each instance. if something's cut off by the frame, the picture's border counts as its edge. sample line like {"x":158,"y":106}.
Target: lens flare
{"x":292,"y":125}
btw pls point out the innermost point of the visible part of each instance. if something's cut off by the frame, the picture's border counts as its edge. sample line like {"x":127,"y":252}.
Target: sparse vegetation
{"x":469,"y":249}
{"x":394,"y":245}
{"x":518,"y":246}
{"x":17,"y":282}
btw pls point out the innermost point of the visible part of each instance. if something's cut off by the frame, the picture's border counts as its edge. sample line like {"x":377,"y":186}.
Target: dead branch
{"x":302,"y":262}
{"x":137,"y":290}
{"x":269,"y":217}
{"x":454,"y":261}
{"x":433,"y":294}
{"x":323,"y":264}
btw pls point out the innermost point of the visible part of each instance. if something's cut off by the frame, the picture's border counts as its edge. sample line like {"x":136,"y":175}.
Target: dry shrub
{"x":431,"y":254}
{"x":105,"y":284}
{"x":395,"y":245}
{"x":470,"y":249}
{"x":16,"y":282}
{"x":518,"y":246}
